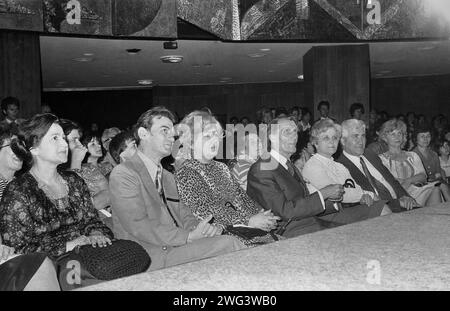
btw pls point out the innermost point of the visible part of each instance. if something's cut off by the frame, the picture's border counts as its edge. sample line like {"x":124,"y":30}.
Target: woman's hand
{"x":366,"y":199}
{"x":99,"y":240}
{"x":264,"y":220}
{"x":77,"y":155}
{"x":5,"y":252}
{"x":80,"y":241}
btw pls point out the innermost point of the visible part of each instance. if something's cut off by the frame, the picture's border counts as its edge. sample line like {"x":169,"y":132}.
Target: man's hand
{"x":408,"y":203}
{"x":5,"y":252}
{"x":366,"y":199}
{"x":204,"y":230}
{"x":264,"y":220}
{"x":332,"y":192}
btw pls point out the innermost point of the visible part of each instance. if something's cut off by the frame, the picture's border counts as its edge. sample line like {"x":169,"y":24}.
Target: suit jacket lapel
{"x":141,"y":169}
{"x":359,"y":177}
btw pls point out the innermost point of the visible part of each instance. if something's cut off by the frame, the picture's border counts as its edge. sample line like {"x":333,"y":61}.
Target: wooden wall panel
{"x":20,"y":69}
{"x":423,"y":95}
{"x":338,"y":74}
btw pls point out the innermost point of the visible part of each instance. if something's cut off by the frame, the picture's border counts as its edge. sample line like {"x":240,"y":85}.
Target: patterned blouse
{"x":210,"y":189}
{"x":3,"y":184}
{"x":30,"y":222}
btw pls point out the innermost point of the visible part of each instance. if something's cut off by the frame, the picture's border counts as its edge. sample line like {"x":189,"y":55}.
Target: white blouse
{"x":321,"y":172}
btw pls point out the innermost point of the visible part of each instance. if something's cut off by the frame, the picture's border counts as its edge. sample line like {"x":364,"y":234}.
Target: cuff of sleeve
{"x":323,"y":201}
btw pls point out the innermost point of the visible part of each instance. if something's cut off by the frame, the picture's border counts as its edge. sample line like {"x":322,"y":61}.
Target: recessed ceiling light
{"x":88,"y":54}
{"x":145,"y":82}
{"x":133,"y":51}
{"x":83,"y":59}
{"x":300,"y":77}
{"x":256,"y":55}
{"x":265,"y":50}
{"x":427,"y":48}
{"x":171,"y":59}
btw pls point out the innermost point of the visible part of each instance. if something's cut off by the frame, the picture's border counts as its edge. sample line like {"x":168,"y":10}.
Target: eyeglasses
{"x":5,"y":146}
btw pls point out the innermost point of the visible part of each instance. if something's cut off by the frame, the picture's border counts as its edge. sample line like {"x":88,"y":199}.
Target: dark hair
{"x":439,"y":143}
{"x":118,"y":144}
{"x":86,"y":140}
{"x":295,"y":108}
{"x":323,"y":103}
{"x":305,"y":111}
{"x":355,"y":107}
{"x":6,"y":133}
{"x":421,"y":129}
{"x":8,"y":101}
{"x":245,"y":117}
{"x":30,"y":134}
{"x":281,"y":110}
{"x":146,"y":119}
{"x":234,"y":119}
{"x":68,"y":126}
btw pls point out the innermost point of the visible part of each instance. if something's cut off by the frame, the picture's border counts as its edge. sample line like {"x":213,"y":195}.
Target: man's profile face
{"x":355,"y":142}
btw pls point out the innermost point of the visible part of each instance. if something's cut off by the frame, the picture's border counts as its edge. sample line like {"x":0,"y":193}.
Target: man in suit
{"x":277,"y":185}
{"x":368,"y":171}
{"x":146,"y":206}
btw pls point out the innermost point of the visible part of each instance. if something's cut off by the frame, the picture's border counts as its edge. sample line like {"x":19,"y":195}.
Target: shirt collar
{"x":151,"y":166}
{"x":277,"y":156}
{"x":355,"y":159}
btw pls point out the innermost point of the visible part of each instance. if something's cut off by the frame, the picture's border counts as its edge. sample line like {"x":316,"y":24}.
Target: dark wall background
{"x":429,"y":95}
{"x":106,"y":108}
{"x":20,"y":69}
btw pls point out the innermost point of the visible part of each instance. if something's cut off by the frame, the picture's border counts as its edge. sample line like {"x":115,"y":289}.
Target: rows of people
{"x":164,"y":187}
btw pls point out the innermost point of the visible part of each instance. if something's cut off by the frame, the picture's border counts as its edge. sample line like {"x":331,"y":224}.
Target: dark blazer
{"x":362,"y":180}
{"x":271,"y":185}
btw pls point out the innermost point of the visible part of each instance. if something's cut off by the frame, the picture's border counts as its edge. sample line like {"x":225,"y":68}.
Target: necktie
{"x":160,"y":189}
{"x":379,"y":188}
{"x":298,"y":177}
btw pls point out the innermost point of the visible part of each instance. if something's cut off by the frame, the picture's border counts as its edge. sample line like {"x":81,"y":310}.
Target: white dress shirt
{"x":373,"y":171}
{"x":282,"y":160}
{"x":151,"y":166}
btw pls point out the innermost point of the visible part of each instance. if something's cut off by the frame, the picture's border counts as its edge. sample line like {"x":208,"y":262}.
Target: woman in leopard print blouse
{"x":207,"y":187}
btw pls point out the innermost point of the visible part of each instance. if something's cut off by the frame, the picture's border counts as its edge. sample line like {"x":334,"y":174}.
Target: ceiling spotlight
{"x":88,"y":54}
{"x":300,"y":77}
{"x":256,"y":55}
{"x":265,"y":50}
{"x":171,"y":59}
{"x":133,"y":51}
{"x":145,"y":82}
{"x":427,"y":48}
{"x":83,"y":59}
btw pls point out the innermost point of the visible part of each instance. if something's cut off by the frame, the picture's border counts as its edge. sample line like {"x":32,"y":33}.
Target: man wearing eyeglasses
{"x":277,"y":185}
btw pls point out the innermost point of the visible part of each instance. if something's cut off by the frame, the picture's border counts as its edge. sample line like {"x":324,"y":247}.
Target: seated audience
{"x":379,"y":146}
{"x":21,"y":272}
{"x":443,"y":150}
{"x":430,"y":160}
{"x":368,"y":171}
{"x":92,"y":174}
{"x":356,"y":111}
{"x":122,"y":147}
{"x":277,"y":185}
{"x":46,"y":210}
{"x":145,"y":203}
{"x":11,"y":109}
{"x":207,"y":186}
{"x":406,"y":166}
{"x":324,"y":109}
{"x":247,"y":153}
{"x":108,"y":162}
{"x":321,"y":170}
{"x":304,"y":123}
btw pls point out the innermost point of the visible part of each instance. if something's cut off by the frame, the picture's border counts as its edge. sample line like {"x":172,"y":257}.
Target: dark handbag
{"x":248,"y":233}
{"x":86,"y":265}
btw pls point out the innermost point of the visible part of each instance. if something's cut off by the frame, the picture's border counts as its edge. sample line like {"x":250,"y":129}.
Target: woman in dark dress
{"x":46,"y":210}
